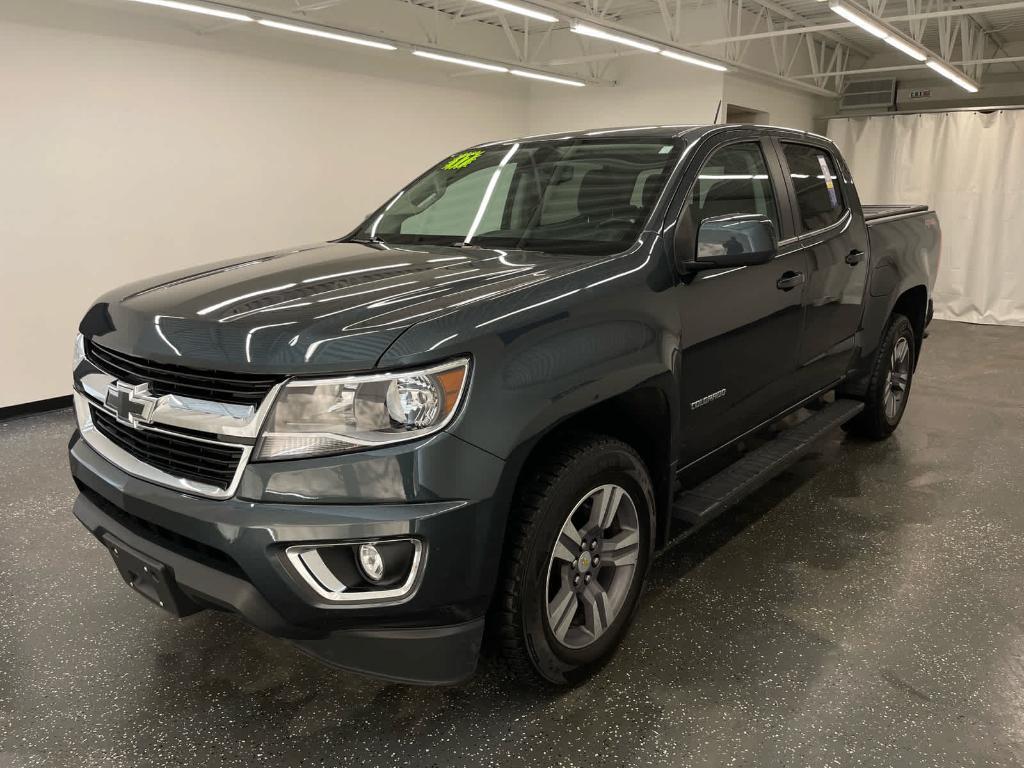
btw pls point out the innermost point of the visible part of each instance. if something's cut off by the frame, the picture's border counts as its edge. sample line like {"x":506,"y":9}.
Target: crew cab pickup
{"x":478,"y":417}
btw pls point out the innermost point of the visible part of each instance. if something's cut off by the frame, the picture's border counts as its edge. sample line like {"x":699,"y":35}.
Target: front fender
{"x":570,"y":344}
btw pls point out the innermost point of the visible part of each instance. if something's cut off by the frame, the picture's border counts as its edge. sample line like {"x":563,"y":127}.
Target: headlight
{"x":316,"y":418}
{"x":79,"y":354}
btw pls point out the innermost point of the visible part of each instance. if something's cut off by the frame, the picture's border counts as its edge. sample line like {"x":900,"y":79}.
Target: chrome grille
{"x":166,"y":379}
{"x":178,"y":455}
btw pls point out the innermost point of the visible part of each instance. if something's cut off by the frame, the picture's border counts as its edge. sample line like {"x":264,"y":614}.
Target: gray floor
{"x":865,"y":609}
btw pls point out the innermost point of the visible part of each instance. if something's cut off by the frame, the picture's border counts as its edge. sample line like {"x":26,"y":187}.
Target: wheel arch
{"x":911,"y":301}
{"x":913,"y":304}
{"x":643,"y":417}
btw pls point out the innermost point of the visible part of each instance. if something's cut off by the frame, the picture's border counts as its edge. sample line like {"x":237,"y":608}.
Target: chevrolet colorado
{"x":528,"y":372}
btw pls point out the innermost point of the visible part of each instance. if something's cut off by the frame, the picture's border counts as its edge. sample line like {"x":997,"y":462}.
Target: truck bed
{"x":905,"y":239}
{"x":884,"y":211}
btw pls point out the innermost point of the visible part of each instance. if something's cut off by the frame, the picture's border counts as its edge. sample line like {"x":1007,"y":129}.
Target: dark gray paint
{"x":864,"y":609}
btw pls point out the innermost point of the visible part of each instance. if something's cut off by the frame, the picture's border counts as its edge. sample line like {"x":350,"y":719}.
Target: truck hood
{"x":333,"y":307}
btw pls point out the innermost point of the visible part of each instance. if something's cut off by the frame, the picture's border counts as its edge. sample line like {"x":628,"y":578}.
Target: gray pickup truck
{"x":480,"y":415}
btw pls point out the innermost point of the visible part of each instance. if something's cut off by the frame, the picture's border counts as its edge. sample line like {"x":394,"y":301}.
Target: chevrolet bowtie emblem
{"x":133,"y":404}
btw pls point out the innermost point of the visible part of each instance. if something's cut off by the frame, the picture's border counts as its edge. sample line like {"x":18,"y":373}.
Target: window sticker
{"x":826,"y":174}
{"x":462,"y":160}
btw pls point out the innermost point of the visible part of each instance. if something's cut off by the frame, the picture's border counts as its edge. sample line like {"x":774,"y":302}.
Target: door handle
{"x":854,"y":257}
{"x":789,"y":281}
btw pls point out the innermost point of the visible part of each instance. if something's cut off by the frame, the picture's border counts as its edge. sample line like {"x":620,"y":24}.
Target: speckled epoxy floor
{"x":866,"y":608}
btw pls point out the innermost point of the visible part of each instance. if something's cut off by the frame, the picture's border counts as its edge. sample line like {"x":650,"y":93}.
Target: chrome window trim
{"x":827,"y":233}
{"x":305,"y":560}
{"x":123,"y":460}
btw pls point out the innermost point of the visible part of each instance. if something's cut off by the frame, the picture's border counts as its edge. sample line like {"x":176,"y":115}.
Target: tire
{"x":892,"y":373}
{"x":541,"y":586}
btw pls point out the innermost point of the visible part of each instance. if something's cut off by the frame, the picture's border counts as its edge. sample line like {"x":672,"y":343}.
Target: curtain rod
{"x":925,"y":111}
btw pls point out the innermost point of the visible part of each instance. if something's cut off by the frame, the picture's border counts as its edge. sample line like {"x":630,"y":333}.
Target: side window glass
{"x":733,"y":180}
{"x":816,"y":182}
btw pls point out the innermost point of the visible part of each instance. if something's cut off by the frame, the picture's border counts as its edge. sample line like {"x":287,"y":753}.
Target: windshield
{"x":576,"y":195}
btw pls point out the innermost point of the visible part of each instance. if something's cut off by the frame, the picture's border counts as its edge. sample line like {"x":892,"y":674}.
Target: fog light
{"x":371,"y":563}
{"x":354,"y":572}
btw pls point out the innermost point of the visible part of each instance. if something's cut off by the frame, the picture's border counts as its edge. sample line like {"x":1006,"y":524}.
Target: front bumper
{"x":230,"y":554}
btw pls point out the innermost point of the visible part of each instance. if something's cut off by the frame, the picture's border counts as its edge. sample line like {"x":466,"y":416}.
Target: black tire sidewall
{"x":612,"y":463}
{"x":901,"y":328}
{"x":872,"y":422}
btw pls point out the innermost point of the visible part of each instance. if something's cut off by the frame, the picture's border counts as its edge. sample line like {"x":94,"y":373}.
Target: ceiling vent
{"x":868,"y":94}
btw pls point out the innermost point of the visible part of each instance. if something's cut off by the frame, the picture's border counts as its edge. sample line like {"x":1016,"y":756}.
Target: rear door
{"x":831,"y":232}
{"x":740,"y":327}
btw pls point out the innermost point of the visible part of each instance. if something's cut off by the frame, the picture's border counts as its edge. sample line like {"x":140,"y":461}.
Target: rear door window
{"x":816,"y":183}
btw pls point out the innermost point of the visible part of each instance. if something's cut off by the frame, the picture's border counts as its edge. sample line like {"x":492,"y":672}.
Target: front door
{"x":740,"y":327}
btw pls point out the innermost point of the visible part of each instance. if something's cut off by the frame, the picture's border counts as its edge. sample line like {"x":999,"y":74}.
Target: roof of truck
{"x":648,"y":132}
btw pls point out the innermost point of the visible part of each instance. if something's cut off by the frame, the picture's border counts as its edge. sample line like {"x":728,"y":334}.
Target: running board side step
{"x":719,"y":492}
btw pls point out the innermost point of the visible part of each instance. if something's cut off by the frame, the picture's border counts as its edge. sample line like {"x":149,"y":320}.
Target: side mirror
{"x":736,"y":240}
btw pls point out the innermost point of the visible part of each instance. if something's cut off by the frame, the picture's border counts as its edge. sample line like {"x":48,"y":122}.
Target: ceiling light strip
{"x":602,"y":34}
{"x":860,"y":19}
{"x":328,"y":35}
{"x":285,"y":24}
{"x":694,"y":60}
{"x":459,"y":60}
{"x":193,"y":8}
{"x":520,"y":9}
{"x":903,"y":46}
{"x":547,"y":78}
{"x":885,"y":32}
{"x":951,"y":74}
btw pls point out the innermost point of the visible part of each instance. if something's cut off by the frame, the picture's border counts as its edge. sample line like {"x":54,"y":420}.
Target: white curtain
{"x":969,"y":166}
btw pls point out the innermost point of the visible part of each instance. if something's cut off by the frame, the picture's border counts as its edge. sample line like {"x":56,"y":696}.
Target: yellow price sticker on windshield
{"x":462,"y":160}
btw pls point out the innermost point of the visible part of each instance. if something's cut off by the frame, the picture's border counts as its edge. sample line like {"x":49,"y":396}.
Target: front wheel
{"x":889,"y":388}
{"x":578,"y":557}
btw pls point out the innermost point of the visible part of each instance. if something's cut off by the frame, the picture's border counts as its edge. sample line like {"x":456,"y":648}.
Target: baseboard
{"x":36,"y":406}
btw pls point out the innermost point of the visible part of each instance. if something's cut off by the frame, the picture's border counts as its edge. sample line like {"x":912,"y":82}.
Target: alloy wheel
{"x":898,"y":380}
{"x":592,"y":566}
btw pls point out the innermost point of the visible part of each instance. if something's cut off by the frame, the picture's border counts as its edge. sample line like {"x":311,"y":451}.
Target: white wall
{"x":650,"y":91}
{"x":132,"y":156}
{"x":785,"y":106}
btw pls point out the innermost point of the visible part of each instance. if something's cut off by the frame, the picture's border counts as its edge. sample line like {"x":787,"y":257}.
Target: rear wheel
{"x":889,"y":388}
{"x":580,"y":551}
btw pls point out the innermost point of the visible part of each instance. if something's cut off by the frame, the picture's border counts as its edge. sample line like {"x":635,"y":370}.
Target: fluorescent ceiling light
{"x":911,"y":50}
{"x":522,"y":10}
{"x":457,"y":60}
{"x":951,"y":74}
{"x":547,"y":78}
{"x":589,"y":31}
{"x":858,"y":18}
{"x":878,"y":29}
{"x":197,"y":9}
{"x":327,"y":35}
{"x":694,"y":60}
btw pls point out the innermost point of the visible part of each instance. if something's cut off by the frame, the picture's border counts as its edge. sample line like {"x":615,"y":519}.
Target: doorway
{"x":734,"y":113}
